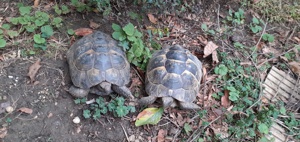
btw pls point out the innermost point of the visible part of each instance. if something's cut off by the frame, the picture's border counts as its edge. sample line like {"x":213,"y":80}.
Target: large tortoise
{"x":98,"y":65}
{"x":173,"y":75}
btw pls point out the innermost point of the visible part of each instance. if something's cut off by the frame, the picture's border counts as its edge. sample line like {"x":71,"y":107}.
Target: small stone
{"x":76,"y":120}
{"x":9,"y":109}
{"x":10,"y":76}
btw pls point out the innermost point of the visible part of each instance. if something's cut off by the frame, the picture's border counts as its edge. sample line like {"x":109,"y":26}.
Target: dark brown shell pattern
{"x":96,"y":58}
{"x":174,"y":72}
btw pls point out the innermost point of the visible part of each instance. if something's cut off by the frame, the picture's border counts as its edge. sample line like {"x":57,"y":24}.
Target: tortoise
{"x":98,"y":65}
{"x":173,"y":75}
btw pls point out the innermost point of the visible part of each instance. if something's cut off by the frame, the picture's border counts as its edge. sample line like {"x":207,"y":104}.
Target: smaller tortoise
{"x":98,"y":65}
{"x":173,"y":75}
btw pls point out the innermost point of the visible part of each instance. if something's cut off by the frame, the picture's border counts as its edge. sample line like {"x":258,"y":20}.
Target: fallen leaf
{"x":33,"y":69}
{"x":36,"y":3}
{"x":149,"y":116}
{"x":26,"y":110}
{"x":161,"y":135}
{"x":209,"y":48}
{"x":94,"y":25}
{"x":215,"y":57}
{"x":48,"y":6}
{"x":83,"y":31}
{"x":204,"y":74}
{"x":3,"y":132}
{"x":225,"y":102}
{"x":295,"y":66}
{"x":152,"y":18}
{"x":202,"y":39}
{"x":180,"y":120}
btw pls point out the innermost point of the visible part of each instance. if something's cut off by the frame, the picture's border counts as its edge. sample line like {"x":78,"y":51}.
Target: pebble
{"x":10,"y":76}
{"x":9,"y":109}
{"x":76,"y":120}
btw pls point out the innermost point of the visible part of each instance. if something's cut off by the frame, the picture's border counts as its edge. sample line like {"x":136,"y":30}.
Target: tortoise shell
{"x":96,"y":58}
{"x":174,"y":72}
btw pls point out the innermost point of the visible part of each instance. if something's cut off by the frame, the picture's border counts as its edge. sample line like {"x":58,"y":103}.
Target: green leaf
{"x":71,"y":32}
{"x":264,"y":139}
{"x":138,"y":34}
{"x":201,"y":140}
{"x":129,"y":29}
{"x":6,"y":26}
{"x":119,"y":36}
{"x":116,"y":27}
{"x":31,"y":52}
{"x":14,"y":20}
{"x":57,"y":10}
{"x":40,"y":46}
{"x":204,"y":27}
{"x":12,"y":33}
{"x":187,"y":128}
{"x":57,"y":22}
{"x":120,"y":101}
{"x":77,"y":101}
{"x":86,"y":113}
{"x":2,"y":43}
{"x":233,"y":96}
{"x":282,"y":110}
{"x":131,"y":38}
{"x":38,"y":39}
{"x":268,"y":37}
{"x":255,"y":20}
{"x":30,"y":28}
{"x":121,"y":111}
{"x":124,"y":44}
{"x":39,"y":23}
{"x":97,"y":114}
{"x":25,"y":10}
{"x":47,"y":31}
{"x":149,"y":116}
{"x":263,"y":128}
{"x":65,"y":9}
{"x":221,"y":70}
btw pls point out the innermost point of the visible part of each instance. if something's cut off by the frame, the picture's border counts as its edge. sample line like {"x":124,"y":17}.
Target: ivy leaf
{"x":12,"y":33}
{"x":187,"y":128}
{"x":119,"y":36}
{"x":221,"y":70}
{"x":2,"y":43}
{"x":25,"y":10}
{"x":14,"y":20}
{"x":121,"y":111}
{"x":71,"y":32}
{"x":129,"y":29}
{"x":263,"y":128}
{"x":87,"y":113}
{"x":47,"y":31}
{"x":149,"y":116}
{"x":116,"y":27}
{"x":6,"y":26}
{"x":38,"y":39}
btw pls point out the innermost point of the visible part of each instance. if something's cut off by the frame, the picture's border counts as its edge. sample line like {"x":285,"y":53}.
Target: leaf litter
{"x":33,"y":69}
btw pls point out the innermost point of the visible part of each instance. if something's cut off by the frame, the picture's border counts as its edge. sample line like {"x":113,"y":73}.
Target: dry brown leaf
{"x":83,"y":31}
{"x":209,"y":48}
{"x":295,"y":66}
{"x":26,"y":110}
{"x":33,"y":69}
{"x":152,"y":18}
{"x":180,"y":120}
{"x":48,"y":6}
{"x":202,"y":39}
{"x":225,"y":102}
{"x":204,"y":74}
{"x":94,"y":25}
{"x":36,"y":3}
{"x":161,"y":135}
{"x":3,"y":132}
{"x":215,"y":57}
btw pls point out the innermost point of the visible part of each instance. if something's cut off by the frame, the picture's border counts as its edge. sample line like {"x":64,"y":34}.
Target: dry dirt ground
{"x":53,"y":109}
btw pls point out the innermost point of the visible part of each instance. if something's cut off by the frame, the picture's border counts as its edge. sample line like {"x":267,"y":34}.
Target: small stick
{"x":125,"y":132}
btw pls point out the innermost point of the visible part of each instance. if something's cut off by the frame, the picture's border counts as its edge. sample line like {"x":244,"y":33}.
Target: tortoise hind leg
{"x":147,"y":100}
{"x":78,"y":92}
{"x":188,"y":106}
{"x":167,"y":102}
{"x":122,"y":90}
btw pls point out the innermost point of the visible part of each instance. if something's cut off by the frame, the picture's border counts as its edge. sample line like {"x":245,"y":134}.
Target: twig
{"x":138,"y":74}
{"x":176,"y":135}
{"x":276,"y":56}
{"x":287,"y":40}
{"x":125,"y":132}
{"x":263,"y":32}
